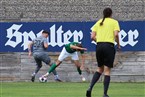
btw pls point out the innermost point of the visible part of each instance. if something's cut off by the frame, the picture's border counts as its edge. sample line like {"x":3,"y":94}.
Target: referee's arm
{"x":117,"y":38}
{"x":93,"y":36}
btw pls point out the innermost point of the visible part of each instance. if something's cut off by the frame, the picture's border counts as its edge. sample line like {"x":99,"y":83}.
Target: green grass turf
{"x":56,"y":89}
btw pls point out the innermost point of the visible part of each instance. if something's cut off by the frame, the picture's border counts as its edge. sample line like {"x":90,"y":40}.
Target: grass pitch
{"x":56,"y":89}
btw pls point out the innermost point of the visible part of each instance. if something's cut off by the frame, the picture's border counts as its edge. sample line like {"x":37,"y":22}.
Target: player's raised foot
{"x":58,"y":80}
{"x":83,"y":79}
{"x":105,"y":95}
{"x":88,"y":93}
{"x":33,"y":78}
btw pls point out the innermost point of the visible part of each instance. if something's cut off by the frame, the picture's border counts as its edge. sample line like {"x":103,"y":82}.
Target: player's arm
{"x":116,"y":33}
{"x":45,"y":43}
{"x":93,"y":36}
{"x":29,"y":48}
{"x":77,"y":48}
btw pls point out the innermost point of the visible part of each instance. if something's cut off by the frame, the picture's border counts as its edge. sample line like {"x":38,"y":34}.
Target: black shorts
{"x":105,"y":54}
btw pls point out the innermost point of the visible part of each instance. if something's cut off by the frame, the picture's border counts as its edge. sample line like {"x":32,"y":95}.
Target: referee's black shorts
{"x":105,"y":54}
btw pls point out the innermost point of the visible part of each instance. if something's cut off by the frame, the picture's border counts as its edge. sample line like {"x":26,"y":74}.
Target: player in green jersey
{"x":70,"y":50}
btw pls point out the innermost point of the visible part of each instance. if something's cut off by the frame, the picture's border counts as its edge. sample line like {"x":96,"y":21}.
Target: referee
{"x":105,"y":33}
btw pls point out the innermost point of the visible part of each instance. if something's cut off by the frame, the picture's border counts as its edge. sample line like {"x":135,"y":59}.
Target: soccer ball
{"x":42,"y":79}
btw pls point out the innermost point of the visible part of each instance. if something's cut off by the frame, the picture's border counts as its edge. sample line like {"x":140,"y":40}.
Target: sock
{"x":106,"y":84}
{"x":54,"y":72}
{"x":79,"y":70}
{"x":52,"y":68}
{"x":56,"y":77}
{"x":94,"y":80}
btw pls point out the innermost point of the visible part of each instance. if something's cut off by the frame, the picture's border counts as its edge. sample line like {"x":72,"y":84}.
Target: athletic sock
{"x":106,"y":84}
{"x":52,"y":68}
{"x":79,"y":70}
{"x":54,"y":72}
{"x":56,"y":77}
{"x":94,"y":80}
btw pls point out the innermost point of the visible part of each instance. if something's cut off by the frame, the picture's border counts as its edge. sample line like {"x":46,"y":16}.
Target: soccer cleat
{"x":58,"y":80}
{"x":88,"y":93}
{"x":33,"y":78}
{"x":105,"y":95}
{"x":83,"y":78}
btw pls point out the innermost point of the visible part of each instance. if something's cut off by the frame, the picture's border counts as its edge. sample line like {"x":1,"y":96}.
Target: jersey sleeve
{"x":73,"y":43}
{"x":45,"y":40}
{"x":116,"y":26}
{"x":94,"y":28}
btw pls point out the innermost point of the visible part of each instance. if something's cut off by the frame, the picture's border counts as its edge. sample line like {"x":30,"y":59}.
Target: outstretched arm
{"x":77,"y":48}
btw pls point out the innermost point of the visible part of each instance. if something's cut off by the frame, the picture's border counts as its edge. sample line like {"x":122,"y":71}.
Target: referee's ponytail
{"x":106,"y":13}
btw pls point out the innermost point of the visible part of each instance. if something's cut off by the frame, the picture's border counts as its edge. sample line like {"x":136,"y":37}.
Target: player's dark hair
{"x":46,"y":32}
{"x":106,"y":13}
{"x":79,"y":45}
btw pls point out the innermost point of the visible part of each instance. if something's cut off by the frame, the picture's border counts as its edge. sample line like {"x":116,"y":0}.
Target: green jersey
{"x":70,"y":50}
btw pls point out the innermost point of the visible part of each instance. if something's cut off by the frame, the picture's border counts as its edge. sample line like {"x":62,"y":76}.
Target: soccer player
{"x":40,"y":53}
{"x":105,"y":33}
{"x":70,"y":50}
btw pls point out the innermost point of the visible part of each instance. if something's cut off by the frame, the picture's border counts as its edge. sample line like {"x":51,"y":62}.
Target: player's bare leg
{"x":78,"y":65}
